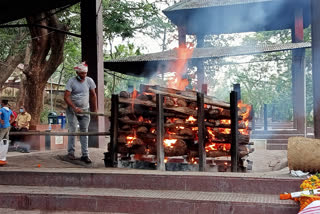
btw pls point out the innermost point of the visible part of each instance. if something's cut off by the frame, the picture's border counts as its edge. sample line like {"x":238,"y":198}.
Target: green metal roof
{"x":148,"y":64}
{"x":193,"y":4}
{"x":235,"y":16}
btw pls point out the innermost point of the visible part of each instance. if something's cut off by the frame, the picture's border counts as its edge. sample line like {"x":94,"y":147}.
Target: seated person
{"x":23,"y":120}
{"x":13,"y":117}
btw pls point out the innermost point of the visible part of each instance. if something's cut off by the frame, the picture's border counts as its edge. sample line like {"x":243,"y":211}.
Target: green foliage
{"x":13,"y":40}
{"x":44,"y":115}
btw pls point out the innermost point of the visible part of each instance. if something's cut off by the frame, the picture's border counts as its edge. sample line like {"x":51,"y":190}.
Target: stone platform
{"x":144,"y":191}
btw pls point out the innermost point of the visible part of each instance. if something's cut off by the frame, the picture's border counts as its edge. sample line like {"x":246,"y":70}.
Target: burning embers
{"x":137,"y":132}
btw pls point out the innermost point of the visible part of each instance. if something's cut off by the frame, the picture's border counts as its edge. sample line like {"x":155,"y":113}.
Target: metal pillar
{"x":112,"y":162}
{"x":182,"y":35}
{"x":315,"y":16}
{"x":265,"y":117}
{"x":237,"y":88}
{"x":201,"y":133}
{"x":160,"y":133}
{"x":92,"y":53}
{"x":199,"y":64}
{"x":234,"y":130}
{"x":298,"y":75}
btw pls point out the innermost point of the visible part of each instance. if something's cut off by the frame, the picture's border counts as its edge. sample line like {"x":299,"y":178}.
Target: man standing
{"x":5,"y":114}
{"x":80,"y":91}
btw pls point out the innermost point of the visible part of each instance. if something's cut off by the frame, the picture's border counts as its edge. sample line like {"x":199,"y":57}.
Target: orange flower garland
{"x":311,"y":183}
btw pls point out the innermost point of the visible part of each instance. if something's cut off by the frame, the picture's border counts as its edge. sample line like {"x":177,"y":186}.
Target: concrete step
{"x":274,"y":136}
{"x":140,"y":201}
{"x":37,"y":211}
{"x":277,"y":144}
{"x":152,"y":180}
{"x":276,"y":132}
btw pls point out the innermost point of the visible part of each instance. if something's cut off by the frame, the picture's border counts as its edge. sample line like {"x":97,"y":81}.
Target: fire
{"x":193,"y":161}
{"x":245,"y":116}
{"x":247,"y":107}
{"x":169,"y":142}
{"x":140,"y":119}
{"x":211,"y":147}
{"x":153,"y":130}
{"x":224,"y":131}
{"x":179,"y":67}
{"x":226,"y":122}
{"x":218,"y":147}
{"x":191,"y":120}
{"x":165,"y":160}
{"x":211,"y":133}
{"x":130,"y":139}
{"x":179,"y":127}
{"x":134,"y":96}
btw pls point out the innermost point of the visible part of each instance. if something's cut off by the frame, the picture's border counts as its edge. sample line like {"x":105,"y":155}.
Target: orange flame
{"x":211,"y":133}
{"x":179,"y":67}
{"x":140,"y":119}
{"x":245,"y":116}
{"x":218,"y":147}
{"x":179,"y":127}
{"x":226,"y":122}
{"x":134,"y":96}
{"x":169,"y":142}
{"x":224,"y":131}
{"x":193,"y":161}
{"x":130,"y":139}
{"x":248,"y":109}
{"x":152,"y":130}
{"x":194,"y":128}
{"x":191,"y":120}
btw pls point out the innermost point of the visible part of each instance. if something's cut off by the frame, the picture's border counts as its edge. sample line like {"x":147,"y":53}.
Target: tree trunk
{"x":46,"y":56}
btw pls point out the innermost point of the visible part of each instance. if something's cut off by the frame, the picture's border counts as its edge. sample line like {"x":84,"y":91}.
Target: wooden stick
{"x":94,"y":113}
{"x":37,"y":133}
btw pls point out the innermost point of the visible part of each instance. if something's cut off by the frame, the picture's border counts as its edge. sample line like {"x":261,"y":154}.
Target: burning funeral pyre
{"x":135,"y":127}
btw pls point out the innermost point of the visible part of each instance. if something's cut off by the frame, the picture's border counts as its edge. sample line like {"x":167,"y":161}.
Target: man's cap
{"x":82,"y":67}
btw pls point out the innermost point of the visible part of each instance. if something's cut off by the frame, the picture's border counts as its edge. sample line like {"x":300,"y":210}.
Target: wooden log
{"x":135,"y":149}
{"x":182,"y":103}
{"x":147,"y":113}
{"x":125,"y":128}
{"x":207,"y":100}
{"x":193,"y":105}
{"x":142,"y":129}
{"x":143,"y":97}
{"x":179,"y":148}
{"x":138,"y":123}
{"x":182,"y":110}
{"x":124,"y":94}
{"x":186,"y":131}
{"x":169,"y":102}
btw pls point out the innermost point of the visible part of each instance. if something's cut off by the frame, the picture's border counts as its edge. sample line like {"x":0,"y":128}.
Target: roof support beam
{"x":200,"y":63}
{"x":315,"y":17}
{"x":298,"y":75}
{"x":92,"y":53}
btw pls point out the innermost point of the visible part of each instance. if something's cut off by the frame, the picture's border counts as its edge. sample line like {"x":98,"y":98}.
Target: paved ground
{"x":271,"y":161}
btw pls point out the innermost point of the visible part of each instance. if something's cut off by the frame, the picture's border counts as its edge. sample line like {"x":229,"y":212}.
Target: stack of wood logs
{"x":137,"y":124}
